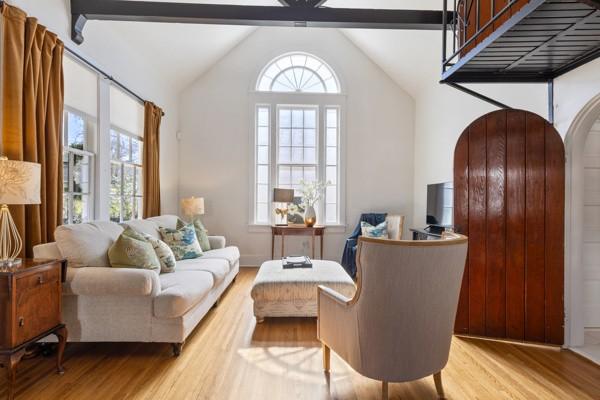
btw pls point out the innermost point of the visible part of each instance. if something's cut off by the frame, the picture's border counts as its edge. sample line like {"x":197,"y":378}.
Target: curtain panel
{"x":32,"y":106}
{"x":152,"y":119}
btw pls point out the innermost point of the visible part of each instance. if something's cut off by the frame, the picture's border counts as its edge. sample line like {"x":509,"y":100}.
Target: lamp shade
{"x":19,"y":182}
{"x":283,"y":195}
{"x":192,"y":206}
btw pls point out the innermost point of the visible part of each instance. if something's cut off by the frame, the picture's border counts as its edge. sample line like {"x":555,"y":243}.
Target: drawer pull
{"x":21,"y":321}
{"x":40,"y":280}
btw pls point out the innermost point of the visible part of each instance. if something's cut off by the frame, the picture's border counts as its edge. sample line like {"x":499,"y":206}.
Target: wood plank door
{"x":509,"y":177}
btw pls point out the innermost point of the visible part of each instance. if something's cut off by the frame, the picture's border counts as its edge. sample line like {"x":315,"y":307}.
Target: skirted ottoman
{"x":279,"y":292}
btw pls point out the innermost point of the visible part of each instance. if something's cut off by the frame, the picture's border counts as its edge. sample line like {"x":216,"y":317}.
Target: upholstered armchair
{"x":398,"y":326}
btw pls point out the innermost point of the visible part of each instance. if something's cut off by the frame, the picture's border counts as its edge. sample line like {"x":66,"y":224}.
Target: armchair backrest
{"x":406,"y":304}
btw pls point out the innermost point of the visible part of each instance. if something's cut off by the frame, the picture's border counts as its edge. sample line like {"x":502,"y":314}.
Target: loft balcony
{"x":518,"y":40}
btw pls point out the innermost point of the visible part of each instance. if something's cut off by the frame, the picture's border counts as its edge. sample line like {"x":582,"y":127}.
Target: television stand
{"x":432,"y":232}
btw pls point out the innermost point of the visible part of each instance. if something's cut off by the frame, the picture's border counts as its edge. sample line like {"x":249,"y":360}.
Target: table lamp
{"x":282,"y":197}
{"x":19,"y":184}
{"x":192,"y":206}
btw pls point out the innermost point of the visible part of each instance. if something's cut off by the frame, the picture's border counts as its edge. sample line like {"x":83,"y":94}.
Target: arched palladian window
{"x":298,"y":137}
{"x":299,"y":73}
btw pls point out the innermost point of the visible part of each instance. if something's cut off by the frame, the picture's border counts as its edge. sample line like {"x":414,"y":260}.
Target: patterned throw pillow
{"x":201,"y":233}
{"x":379,"y":231}
{"x":164,"y":253}
{"x":182,"y":241}
{"x":132,"y":250}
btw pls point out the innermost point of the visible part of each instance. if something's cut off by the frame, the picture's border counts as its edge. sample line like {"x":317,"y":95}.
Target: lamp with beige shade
{"x":192,"y":207}
{"x":282,"y":197}
{"x":19,"y":184}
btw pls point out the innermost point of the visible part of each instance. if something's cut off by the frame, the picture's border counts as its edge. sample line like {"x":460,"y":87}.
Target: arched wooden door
{"x":509,"y":190}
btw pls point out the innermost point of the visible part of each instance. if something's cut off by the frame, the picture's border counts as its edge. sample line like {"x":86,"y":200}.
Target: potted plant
{"x":311,"y":193}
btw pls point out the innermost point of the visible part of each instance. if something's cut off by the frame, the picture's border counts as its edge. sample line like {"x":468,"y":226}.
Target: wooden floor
{"x":229,"y":357}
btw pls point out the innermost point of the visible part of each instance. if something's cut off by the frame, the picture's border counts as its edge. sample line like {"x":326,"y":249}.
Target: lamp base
{"x":11,"y":263}
{"x":10,"y":241}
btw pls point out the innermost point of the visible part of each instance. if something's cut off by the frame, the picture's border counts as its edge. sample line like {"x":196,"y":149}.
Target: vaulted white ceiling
{"x":182,"y":52}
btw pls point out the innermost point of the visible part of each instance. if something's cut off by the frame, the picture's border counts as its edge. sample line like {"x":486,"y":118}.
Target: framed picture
{"x":296,"y":212}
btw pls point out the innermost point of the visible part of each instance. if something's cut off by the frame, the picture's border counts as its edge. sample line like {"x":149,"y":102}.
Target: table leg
{"x":322,"y":246}
{"x":61,"y":334}
{"x":282,"y":244}
{"x":313,"y":245}
{"x":272,"y":246}
{"x":11,"y":370}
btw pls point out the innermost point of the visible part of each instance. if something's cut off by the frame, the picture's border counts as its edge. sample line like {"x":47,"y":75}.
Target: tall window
{"x":79,"y":131}
{"x":297,"y":133}
{"x":125,"y":176}
{"x":80,"y":136}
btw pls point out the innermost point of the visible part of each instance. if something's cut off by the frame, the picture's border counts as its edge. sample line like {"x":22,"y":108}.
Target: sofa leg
{"x":384,"y":391}
{"x":437,"y":378}
{"x":326,"y":358}
{"x":217,"y":303}
{"x":177,"y":347}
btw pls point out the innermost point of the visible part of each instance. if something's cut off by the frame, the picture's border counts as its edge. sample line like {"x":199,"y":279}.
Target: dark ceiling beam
{"x":302,"y":3}
{"x":193,"y":13}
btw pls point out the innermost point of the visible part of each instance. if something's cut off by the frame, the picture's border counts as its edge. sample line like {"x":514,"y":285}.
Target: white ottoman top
{"x":274,"y":283}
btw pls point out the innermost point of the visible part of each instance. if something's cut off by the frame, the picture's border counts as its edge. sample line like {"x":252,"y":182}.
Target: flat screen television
{"x":440,"y":203}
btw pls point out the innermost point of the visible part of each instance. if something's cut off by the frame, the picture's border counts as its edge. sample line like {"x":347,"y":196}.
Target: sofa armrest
{"x":98,"y":281}
{"x":217,"y":242}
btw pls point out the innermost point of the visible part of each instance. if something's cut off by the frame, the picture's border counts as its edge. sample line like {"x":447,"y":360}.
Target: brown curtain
{"x":32,"y":106}
{"x":152,"y":117}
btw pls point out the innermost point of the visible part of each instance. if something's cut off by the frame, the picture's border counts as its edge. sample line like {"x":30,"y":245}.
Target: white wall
{"x":572,"y":92}
{"x":112,"y":52}
{"x":217,"y":128}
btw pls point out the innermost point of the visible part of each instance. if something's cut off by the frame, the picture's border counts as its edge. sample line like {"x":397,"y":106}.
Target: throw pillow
{"x":379,"y":231}
{"x":201,"y":233}
{"x":182,"y":241}
{"x":132,"y":250}
{"x":163,"y":252}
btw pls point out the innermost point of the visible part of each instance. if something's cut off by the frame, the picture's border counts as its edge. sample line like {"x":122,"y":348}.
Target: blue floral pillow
{"x":380,"y":231}
{"x":182,"y":241}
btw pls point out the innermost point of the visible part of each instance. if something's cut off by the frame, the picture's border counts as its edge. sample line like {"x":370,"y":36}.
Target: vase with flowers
{"x":311,"y":193}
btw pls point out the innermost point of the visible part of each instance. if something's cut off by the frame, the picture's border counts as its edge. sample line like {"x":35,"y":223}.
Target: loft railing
{"x":462,"y":39}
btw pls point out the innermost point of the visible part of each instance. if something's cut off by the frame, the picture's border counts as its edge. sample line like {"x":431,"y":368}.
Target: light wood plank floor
{"x":229,"y":357}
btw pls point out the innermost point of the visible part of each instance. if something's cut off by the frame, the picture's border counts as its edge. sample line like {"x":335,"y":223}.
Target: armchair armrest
{"x":217,"y":242}
{"x":107,"y":281}
{"x":333,"y":295}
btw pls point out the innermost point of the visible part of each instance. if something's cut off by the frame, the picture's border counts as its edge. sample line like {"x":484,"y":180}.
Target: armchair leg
{"x":326,"y":358}
{"x":437,"y":378}
{"x":384,"y":391}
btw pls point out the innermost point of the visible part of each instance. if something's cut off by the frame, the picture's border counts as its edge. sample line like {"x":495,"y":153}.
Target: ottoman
{"x":279,"y":292}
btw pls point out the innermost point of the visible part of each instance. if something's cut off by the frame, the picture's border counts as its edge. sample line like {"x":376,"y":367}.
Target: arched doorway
{"x":575,"y":222}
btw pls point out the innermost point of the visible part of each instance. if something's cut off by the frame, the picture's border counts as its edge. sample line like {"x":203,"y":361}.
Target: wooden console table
{"x":295,"y":230}
{"x":30,"y":309}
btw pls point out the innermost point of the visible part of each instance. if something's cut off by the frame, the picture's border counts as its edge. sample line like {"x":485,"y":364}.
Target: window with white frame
{"x":297,"y":133}
{"x":125,"y":176}
{"x":79,"y":132}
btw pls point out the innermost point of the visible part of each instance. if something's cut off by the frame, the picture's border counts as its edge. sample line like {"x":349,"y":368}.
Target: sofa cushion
{"x":165,"y":221}
{"x":132,"y":250}
{"x":216,"y":266}
{"x":144,"y":226}
{"x":231,"y":254}
{"x":86,"y":245}
{"x":182,"y":241}
{"x":201,"y":232}
{"x":181,"y":291}
{"x":164,"y":253}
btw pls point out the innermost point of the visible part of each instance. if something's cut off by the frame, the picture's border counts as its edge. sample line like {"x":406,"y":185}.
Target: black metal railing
{"x":461,"y":21}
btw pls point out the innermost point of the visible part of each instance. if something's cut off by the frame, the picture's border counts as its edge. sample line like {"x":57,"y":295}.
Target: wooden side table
{"x":30,"y":309}
{"x":296,"y":230}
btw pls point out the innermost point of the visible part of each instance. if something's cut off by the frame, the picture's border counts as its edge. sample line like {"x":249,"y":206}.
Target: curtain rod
{"x":105,"y":74}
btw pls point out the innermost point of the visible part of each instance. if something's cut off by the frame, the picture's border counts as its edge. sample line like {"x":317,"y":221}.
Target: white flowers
{"x":312,"y":191}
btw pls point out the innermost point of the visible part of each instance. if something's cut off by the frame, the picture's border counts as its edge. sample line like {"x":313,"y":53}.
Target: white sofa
{"x":104,"y":304}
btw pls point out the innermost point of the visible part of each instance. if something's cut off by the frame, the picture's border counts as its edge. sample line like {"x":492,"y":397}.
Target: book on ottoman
{"x":296,"y":262}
